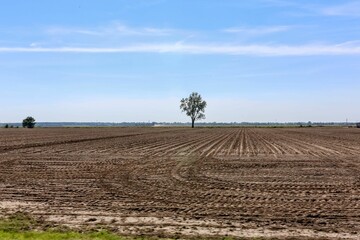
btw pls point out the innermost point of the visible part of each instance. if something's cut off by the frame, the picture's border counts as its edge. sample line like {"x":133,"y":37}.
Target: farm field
{"x":240,"y":182}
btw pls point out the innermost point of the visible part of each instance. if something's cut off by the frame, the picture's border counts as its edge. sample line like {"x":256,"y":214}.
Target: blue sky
{"x":117,"y":60}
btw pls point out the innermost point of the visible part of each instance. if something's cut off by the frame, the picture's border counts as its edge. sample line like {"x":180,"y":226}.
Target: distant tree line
{"x":203,"y":124}
{"x":28,"y":122}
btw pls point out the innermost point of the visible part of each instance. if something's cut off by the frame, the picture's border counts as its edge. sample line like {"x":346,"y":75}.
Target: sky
{"x":133,"y":60}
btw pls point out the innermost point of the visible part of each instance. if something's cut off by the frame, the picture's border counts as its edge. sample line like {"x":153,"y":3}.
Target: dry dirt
{"x":242,"y":182}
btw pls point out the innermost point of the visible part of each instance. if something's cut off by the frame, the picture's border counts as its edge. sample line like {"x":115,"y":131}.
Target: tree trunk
{"x":192,"y":123}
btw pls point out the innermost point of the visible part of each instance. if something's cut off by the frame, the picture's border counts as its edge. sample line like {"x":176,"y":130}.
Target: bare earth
{"x":242,"y":182}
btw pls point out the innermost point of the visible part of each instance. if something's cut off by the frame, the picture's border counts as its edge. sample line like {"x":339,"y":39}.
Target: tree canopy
{"x":29,"y":122}
{"x":194,"y":107}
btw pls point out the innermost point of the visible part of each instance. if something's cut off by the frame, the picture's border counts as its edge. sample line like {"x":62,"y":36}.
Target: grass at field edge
{"x":22,"y":226}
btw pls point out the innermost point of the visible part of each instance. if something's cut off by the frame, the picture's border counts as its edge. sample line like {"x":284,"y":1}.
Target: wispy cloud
{"x":351,"y":9}
{"x":145,"y":31}
{"x":292,"y":4}
{"x":182,"y":48}
{"x":258,"y":30}
{"x":113,"y":30}
{"x":66,"y":31}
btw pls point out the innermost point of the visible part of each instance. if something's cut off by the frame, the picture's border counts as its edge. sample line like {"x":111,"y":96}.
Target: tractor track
{"x":217,"y":178}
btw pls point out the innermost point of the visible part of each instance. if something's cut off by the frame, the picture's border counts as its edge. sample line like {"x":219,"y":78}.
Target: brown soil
{"x":239,"y":182}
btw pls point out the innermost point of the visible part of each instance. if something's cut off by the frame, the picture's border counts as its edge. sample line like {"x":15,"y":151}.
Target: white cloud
{"x":35,"y":44}
{"x":221,"y":49}
{"x":258,"y":30}
{"x":147,"y":31}
{"x":351,"y":9}
{"x":115,"y":29}
{"x":66,"y":31}
{"x":346,"y":8}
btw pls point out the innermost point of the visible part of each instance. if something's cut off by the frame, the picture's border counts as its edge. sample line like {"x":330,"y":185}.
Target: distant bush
{"x":6,"y":126}
{"x":29,"y":122}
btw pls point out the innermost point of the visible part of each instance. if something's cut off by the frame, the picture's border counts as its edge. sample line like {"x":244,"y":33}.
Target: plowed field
{"x":249,"y":182}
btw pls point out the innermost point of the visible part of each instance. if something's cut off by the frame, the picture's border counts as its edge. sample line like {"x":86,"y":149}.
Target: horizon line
{"x":157,"y":122}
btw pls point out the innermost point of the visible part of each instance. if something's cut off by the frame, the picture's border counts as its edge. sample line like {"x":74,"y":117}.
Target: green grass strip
{"x":45,"y":235}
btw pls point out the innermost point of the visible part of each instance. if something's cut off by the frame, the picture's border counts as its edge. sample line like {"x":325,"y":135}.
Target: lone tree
{"x":194,"y":107}
{"x":29,"y":122}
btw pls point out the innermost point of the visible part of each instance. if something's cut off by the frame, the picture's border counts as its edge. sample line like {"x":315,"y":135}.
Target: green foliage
{"x":17,"y":222}
{"x":23,"y":226}
{"x":6,"y":126}
{"x":29,"y":122}
{"x":309,"y":124}
{"x":39,"y":235}
{"x":194,"y":107}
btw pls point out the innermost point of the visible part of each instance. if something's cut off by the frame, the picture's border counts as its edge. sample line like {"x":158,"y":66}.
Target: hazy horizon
{"x":132,"y":61}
